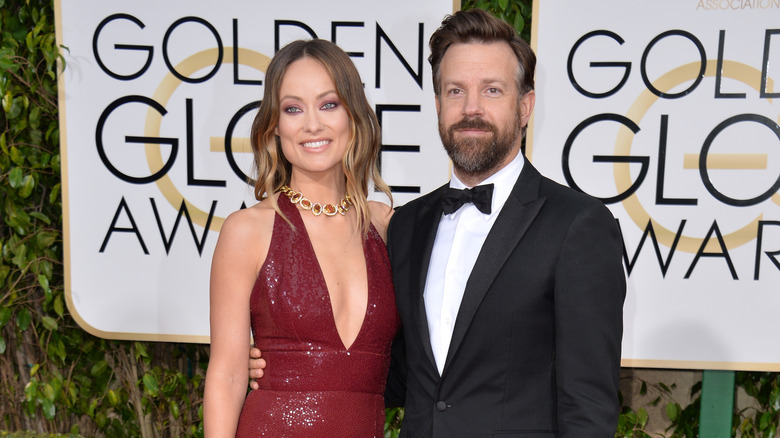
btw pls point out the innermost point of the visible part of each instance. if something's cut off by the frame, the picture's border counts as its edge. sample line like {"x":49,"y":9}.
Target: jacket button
{"x":441,"y":406}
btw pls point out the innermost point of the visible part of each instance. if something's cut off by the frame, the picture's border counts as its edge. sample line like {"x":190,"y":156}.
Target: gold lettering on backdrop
{"x":636,"y":211}
{"x":163,"y":93}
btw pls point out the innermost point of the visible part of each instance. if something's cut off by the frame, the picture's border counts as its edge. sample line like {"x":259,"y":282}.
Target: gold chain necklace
{"x":315,"y":207}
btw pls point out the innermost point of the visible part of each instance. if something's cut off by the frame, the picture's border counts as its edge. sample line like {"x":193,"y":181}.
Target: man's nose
{"x":473,"y":105}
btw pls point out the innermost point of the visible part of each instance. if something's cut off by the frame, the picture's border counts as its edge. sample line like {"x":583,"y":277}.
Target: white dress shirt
{"x":458,"y":242}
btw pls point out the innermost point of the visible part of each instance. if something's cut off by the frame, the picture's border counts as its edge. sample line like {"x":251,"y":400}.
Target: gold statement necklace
{"x":315,"y":207}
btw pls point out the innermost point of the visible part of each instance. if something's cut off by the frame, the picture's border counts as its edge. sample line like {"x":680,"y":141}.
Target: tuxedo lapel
{"x":516,"y":216}
{"x":426,"y":226}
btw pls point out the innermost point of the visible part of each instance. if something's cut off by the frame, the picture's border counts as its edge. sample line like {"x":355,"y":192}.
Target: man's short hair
{"x":478,"y":26}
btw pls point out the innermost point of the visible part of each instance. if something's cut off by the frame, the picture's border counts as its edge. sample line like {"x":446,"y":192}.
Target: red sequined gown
{"x":313,"y":386}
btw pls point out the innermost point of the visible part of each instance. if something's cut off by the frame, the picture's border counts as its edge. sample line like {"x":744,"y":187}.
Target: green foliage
{"x":29,"y":434}
{"x":683,"y":420}
{"x":518,"y":13}
{"x":393,"y":419}
{"x":631,"y":423}
{"x":54,"y":377}
{"x":31,"y":301}
{"x":762,"y":419}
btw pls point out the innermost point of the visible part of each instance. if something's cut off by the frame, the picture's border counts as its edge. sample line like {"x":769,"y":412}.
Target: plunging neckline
{"x":325,"y":283}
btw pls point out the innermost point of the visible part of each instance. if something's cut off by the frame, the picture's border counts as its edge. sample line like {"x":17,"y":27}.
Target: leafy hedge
{"x":57,"y":379}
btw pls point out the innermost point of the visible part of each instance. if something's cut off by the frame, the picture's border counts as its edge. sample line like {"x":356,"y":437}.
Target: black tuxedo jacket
{"x":536,"y":345}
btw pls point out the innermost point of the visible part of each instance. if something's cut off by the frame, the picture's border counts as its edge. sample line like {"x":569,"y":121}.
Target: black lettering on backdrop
{"x":133,"y":227}
{"x":103,"y":146}
{"x":229,"y":140}
{"x":644,"y":161}
{"x":382,"y":36}
{"x":660,"y":199}
{"x":768,"y":34}
{"x":380,"y":110}
{"x":134,"y":139}
{"x":336,"y":24}
{"x":279,"y":23}
{"x":765,"y":63}
{"x":237,"y":62}
{"x":723,"y":253}
{"x":759,"y":245}
{"x":719,"y":71}
{"x":649,"y":231}
{"x":570,"y":69}
{"x":168,"y":241}
{"x":705,"y":149}
{"x":714,"y":238}
{"x":148,"y":49}
{"x":699,"y":77}
{"x":191,"y":180}
{"x":630,"y":262}
{"x":220,"y":49}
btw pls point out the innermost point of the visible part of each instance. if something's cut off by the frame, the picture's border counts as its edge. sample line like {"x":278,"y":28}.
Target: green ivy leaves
{"x":763,"y":417}
{"x":518,"y":13}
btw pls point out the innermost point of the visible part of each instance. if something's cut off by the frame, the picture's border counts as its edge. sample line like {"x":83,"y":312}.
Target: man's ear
{"x":436,"y":98}
{"x":527,"y":103}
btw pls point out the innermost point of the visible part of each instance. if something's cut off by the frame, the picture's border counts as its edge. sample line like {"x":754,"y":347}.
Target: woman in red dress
{"x":306,"y":268}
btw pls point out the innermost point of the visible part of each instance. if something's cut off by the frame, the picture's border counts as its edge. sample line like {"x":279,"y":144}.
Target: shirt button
{"x":441,"y":406}
{"x":448,"y":320}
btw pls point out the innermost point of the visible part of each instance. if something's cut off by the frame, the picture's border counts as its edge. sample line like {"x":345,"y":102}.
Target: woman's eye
{"x":292,"y":110}
{"x":330,"y":105}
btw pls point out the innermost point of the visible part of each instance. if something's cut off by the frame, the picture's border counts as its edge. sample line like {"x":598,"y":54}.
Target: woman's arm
{"x":234,"y":269}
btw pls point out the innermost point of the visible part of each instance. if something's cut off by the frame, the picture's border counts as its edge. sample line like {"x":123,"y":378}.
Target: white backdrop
{"x":155,"y":106}
{"x":686,"y":91}
{"x":155,"y":109}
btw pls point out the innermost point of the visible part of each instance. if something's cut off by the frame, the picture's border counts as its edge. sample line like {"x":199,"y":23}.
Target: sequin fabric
{"x":313,"y":386}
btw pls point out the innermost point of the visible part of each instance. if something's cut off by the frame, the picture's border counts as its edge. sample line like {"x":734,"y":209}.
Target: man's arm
{"x":395,"y":391}
{"x":589,"y":293}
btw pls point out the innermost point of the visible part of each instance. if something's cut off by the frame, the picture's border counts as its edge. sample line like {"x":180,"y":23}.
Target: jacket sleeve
{"x":395,"y":391}
{"x":590,"y":288}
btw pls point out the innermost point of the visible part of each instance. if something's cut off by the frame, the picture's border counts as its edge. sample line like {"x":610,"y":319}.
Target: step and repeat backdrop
{"x":156,"y":104}
{"x":666,"y":110}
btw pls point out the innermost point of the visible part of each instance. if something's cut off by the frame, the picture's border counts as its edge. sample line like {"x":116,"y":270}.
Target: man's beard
{"x":479,"y":156}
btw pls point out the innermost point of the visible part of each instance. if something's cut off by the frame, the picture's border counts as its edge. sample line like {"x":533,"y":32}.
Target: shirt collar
{"x":503,"y":182}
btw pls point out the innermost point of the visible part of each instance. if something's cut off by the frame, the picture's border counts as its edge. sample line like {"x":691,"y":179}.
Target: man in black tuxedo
{"x":510,"y":286}
{"x":511,"y":304}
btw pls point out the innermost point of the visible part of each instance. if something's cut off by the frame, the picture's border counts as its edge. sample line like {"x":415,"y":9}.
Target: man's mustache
{"x":473,"y":123}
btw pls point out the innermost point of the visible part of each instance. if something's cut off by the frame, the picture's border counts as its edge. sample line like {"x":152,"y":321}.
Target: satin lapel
{"x":426,"y":226}
{"x":517,"y":214}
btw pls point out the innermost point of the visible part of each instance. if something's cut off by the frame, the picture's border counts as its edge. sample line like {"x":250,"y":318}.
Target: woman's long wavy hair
{"x":360,"y":160}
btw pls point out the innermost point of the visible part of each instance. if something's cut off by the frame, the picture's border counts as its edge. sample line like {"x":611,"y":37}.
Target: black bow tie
{"x":480,"y":196}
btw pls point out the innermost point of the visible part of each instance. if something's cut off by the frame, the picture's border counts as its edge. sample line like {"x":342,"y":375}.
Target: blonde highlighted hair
{"x":360,"y":160}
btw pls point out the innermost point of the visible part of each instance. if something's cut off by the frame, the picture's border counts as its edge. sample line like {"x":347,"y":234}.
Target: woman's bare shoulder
{"x":249,"y":231}
{"x":250,"y":220}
